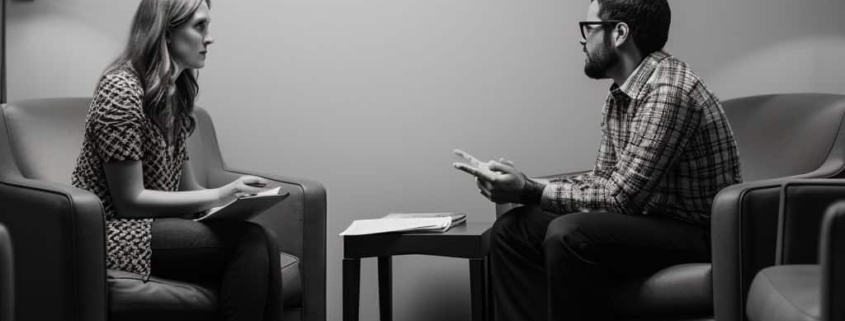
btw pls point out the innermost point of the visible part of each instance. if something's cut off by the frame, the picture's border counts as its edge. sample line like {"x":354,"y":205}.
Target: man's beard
{"x":601,"y":61}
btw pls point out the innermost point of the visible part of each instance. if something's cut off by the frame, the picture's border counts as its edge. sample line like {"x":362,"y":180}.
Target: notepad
{"x":247,"y":207}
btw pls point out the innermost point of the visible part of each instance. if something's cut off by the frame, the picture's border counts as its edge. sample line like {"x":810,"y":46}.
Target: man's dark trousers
{"x":560,"y":267}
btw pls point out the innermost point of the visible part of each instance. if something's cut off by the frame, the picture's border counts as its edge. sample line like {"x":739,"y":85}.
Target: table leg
{"x":477,"y":288}
{"x":385,"y":288}
{"x":488,"y":285}
{"x":351,"y":288}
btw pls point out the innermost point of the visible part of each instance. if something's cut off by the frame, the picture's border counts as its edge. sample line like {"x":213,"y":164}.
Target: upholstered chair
{"x":59,"y":230}
{"x":780,"y":137}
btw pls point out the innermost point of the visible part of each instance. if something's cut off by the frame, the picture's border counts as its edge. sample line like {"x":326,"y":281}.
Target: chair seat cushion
{"x":684,"y":290}
{"x":130,"y":298}
{"x":785,"y":292}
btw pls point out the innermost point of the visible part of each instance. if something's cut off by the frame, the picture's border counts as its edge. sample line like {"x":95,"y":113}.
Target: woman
{"x":134,"y":159}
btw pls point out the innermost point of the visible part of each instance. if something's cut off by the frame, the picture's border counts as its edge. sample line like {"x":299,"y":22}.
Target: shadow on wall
{"x":808,"y":64}
{"x":113,"y":15}
{"x":64,"y":45}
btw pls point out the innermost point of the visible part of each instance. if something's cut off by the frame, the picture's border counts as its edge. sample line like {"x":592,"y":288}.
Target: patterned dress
{"x":116,"y":129}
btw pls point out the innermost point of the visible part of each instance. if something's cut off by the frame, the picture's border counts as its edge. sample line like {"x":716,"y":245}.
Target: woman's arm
{"x":132,"y":200}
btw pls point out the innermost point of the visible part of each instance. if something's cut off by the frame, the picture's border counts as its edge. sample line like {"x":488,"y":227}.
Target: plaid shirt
{"x":666,"y":149}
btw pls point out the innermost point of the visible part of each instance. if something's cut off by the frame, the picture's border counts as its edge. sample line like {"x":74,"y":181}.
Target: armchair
{"x":804,"y":291}
{"x":59,"y":229}
{"x":771,"y":132}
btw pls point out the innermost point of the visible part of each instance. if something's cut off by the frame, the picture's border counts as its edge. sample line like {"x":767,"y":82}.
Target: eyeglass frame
{"x":603,"y":23}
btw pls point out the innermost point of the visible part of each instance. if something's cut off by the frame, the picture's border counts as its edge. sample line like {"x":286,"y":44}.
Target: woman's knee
{"x":175,"y":233}
{"x":252,"y":233}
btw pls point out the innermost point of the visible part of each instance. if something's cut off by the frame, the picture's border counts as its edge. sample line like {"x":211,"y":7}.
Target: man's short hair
{"x":648,"y":20}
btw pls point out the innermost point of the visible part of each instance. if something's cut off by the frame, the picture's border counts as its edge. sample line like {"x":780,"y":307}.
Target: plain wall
{"x":370,"y":97}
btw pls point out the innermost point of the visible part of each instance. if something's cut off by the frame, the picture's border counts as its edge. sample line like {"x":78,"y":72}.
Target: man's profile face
{"x":601,"y":54}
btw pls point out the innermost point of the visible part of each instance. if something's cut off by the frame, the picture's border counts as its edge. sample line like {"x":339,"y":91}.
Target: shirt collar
{"x":639,"y":77}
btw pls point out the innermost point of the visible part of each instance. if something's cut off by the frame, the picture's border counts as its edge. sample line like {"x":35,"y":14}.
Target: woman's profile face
{"x":189,"y":42}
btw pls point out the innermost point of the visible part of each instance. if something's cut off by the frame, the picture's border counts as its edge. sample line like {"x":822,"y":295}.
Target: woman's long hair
{"x":147,"y":52}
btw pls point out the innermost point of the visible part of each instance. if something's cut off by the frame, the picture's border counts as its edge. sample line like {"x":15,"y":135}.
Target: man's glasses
{"x":588,"y":26}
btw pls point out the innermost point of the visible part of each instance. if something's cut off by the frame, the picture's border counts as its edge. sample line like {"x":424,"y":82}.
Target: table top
{"x":469,"y":240}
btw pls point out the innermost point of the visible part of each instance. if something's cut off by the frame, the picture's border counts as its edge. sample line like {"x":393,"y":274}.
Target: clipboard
{"x":245,"y":208}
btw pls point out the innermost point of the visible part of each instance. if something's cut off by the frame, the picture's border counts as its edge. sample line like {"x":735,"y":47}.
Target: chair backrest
{"x":46,"y":137}
{"x":787,"y":134}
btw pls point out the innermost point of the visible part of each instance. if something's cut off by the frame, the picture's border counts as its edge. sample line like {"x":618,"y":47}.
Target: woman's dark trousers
{"x":241,"y":257}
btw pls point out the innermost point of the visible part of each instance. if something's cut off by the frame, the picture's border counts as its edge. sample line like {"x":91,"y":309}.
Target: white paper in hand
{"x":247,"y":207}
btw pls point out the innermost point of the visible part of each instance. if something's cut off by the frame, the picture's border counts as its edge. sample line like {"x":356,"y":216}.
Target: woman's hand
{"x":243,"y":186}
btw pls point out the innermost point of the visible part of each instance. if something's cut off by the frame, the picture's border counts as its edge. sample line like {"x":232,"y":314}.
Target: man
{"x":666,"y":150}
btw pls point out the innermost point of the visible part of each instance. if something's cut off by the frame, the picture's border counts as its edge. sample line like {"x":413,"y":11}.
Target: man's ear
{"x":621,"y":33}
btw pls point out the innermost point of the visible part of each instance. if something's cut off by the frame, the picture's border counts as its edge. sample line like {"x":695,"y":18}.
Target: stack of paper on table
{"x":405,"y":222}
{"x":457,"y":218}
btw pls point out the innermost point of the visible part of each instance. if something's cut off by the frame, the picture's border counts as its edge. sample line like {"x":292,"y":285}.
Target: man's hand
{"x":500,"y":182}
{"x":475,"y":167}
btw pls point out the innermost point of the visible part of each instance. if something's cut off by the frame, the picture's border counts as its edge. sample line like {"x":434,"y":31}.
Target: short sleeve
{"x":117,"y":128}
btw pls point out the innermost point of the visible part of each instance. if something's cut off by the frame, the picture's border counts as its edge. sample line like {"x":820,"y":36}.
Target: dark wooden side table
{"x":470,"y":241}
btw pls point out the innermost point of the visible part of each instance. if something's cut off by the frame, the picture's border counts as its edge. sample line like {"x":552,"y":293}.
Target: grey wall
{"x":369,"y":97}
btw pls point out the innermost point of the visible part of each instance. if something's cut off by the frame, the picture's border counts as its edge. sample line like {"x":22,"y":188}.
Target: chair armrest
{"x":299,"y":223}
{"x":59,"y":246}
{"x":743,"y":237}
{"x":7,"y":276}
{"x":563,"y":175}
{"x":832,"y":255}
{"x":744,"y":224}
{"x":505,"y":207}
{"x":304,"y":210}
{"x":803,"y":206}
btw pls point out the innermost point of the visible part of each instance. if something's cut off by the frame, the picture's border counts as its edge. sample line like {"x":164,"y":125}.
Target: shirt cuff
{"x":558,"y":198}
{"x":532,"y":192}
